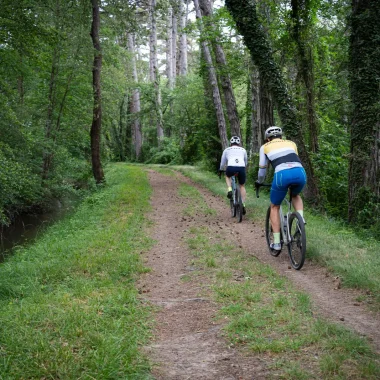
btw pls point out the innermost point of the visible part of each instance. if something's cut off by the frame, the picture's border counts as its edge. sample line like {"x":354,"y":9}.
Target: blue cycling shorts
{"x":231,"y":170}
{"x":283,"y":179}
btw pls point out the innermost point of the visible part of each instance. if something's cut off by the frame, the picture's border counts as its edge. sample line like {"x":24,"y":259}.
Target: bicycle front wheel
{"x":269,"y":235}
{"x":239,"y":205}
{"x":297,"y":243}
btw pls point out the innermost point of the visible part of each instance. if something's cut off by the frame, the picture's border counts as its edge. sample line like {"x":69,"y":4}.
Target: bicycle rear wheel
{"x":232,"y":207}
{"x":269,"y":235}
{"x":239,"y":205}
{"x":297,"y":243}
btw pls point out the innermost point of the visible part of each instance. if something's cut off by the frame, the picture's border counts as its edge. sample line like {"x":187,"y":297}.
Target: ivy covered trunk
{"x":97,"y":111}
{"x":364,"y":171}
{"x":249,"y":26}
{"x":302,"y":16}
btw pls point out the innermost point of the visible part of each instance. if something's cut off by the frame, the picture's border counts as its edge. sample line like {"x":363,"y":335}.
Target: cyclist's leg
{"x":298,"y":204}
{"x":275,"y":218}
{"x":243,"y":193}
{"x":229,"y":173}
{"x":299,"y":178}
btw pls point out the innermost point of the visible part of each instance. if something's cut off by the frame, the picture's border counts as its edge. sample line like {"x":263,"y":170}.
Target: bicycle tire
{"x":297,"y":244}
{"x":269,"y":235}
{"x":232,"y":207}
{"x":239,"y":205}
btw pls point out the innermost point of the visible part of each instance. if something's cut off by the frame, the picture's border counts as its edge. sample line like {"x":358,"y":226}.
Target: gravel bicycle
{"x":292,"y":231}
{"x":236,"y":203}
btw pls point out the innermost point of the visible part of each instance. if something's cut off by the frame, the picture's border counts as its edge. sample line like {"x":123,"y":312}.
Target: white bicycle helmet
{"x":235,"y":140}
{"x":273,"y":132}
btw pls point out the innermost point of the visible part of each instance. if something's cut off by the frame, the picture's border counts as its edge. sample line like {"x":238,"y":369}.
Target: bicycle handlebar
{"x":258,"y":185}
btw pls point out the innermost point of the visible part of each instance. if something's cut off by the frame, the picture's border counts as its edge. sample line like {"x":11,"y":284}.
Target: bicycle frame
{"x":284,"y":225}
{"x":233,"y":185}
{"x":295,"y":240}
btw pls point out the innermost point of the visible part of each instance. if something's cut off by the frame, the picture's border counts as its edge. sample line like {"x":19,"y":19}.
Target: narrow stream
{"x":27,"y":227}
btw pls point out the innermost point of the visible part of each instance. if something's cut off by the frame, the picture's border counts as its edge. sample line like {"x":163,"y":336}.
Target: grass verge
{"x":355,"y":260}
{"x":68,"y":303}
{"x":266,"y":316}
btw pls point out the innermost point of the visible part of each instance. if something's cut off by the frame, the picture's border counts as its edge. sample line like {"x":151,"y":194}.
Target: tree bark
{"x":174,"y":42}
{"x":364,"y":168}
{"x":224,"y":76}
{"x":153,"y":71}
{"x":97,"y":110}
{"x":169,"y":50}
{"x":245,"y":16}
{"x":213,"y":81}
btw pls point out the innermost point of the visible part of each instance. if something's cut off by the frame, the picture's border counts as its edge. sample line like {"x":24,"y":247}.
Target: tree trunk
{"x":169,"y":50}
{"x":213,"y":83}
{"x":262,"y":109}
{"x":364,"y":169}
{"x":135,"y":102}
{"x":182,"y":39}
{"x":224,"y":76}
{"x":245,"y":16}
{"x":301,"y":16}
{"x":174,"y":42}
{"x":97,"y":110}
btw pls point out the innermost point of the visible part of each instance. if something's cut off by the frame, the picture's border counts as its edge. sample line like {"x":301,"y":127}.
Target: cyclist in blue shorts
{"x":288,"y":170}
{"x":235,"y":157}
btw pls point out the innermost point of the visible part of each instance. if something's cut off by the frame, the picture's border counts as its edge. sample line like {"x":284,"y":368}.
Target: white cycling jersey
{"x":234,"y":156}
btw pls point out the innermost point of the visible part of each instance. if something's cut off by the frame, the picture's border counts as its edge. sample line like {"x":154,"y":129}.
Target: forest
{"x":88,"y":82}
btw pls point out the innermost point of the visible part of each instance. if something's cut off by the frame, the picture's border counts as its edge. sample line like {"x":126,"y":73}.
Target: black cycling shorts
{"x":231,"y":170}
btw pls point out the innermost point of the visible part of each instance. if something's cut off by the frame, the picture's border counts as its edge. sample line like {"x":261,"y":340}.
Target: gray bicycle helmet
{"x":235,"y":140}
{"x":273,"y":132}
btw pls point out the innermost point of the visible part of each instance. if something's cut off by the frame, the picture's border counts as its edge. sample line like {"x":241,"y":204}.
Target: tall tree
{"x":364,"y":171}
{"x":153,"y":70}
{"x":303,"y":13}
{"x":262,"y":110}
{"x":169,"y":50}
{"x":97,"y":110}
{"x":224,"y":76}
{"x":213,"y":82}
{"x":182,"y":69}
{"x":249,"y":26}
{"x":135,"y":101}
{"x":174,"y":40}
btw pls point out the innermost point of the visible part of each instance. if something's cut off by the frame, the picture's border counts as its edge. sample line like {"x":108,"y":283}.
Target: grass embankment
{"x":355,"y":260}
{"x":266,"y":316}
{"x":68,"y":303}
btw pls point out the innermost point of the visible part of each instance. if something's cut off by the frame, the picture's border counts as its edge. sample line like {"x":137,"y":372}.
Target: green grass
{"x":355,"y":260}
{"x":68,"y":303}
{"x":267,"y":317}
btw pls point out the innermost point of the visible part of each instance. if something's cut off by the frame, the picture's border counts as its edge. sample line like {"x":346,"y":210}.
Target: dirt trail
{"x":188,"y":343}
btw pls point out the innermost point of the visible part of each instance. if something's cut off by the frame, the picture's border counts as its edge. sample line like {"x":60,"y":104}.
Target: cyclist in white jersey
{"x":288,"y":170}
{"x":235,"y":158}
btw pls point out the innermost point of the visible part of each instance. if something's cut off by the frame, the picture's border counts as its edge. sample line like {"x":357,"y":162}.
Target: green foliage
{"x":331,"y":165}
{"x":168,"y":152}
{"x":19,"y":187}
